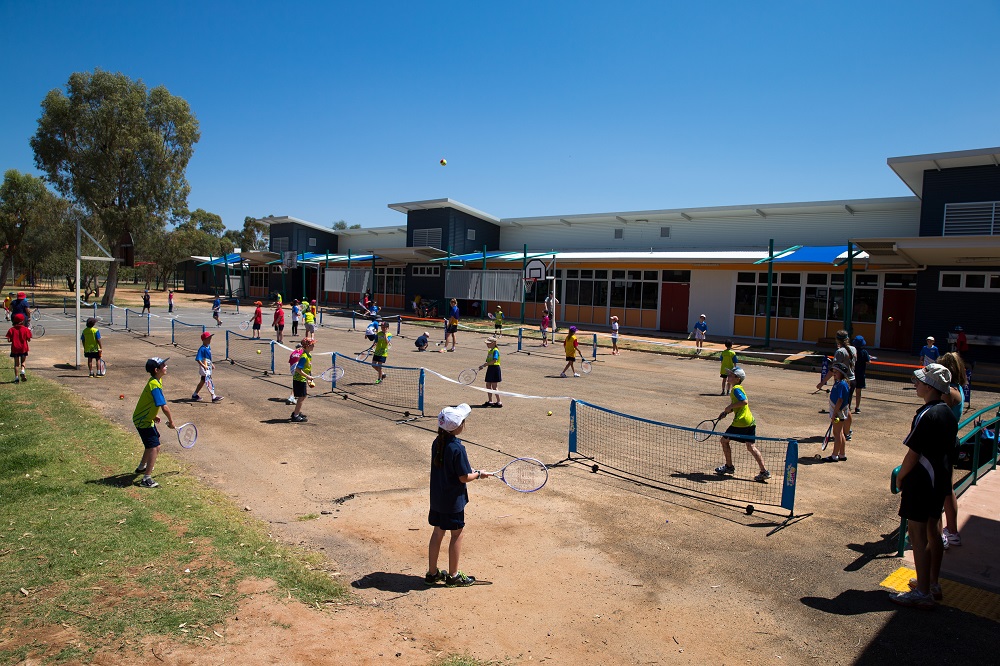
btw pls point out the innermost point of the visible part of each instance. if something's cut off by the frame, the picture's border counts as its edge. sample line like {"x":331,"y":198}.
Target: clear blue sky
{"x":332,"y":110}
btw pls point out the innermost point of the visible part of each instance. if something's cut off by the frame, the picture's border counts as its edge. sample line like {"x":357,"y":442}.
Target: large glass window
{"x":788,"y":301}
{"x":865,"y":305}
{"x":815,"y":305}
{"x":745,"y":299}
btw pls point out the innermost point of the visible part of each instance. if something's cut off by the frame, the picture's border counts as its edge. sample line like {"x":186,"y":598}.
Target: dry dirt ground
{"x":593,"y":569}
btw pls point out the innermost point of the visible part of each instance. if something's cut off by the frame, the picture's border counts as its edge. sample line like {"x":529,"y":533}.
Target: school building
{"x":899,"y":268}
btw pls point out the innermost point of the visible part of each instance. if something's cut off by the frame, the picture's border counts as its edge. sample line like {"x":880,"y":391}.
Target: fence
{"x":478,"y":285}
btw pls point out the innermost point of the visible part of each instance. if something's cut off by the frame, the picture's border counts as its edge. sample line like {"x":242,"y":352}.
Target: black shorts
{"x":371,"y":338}
{"x":493,"y":374}
{"x":279,"y":327}
{"x":452,"y":328}
{"x":95,"y":354}
{"x":745,"y":434}
{"x":446,"y":521}
{"x":18,"y":357}
{"x":378,"y":359}
{"x":850,"y":392}
{"x":919,"y":500}
{"x":300,"y":389}
{"x":859,"y":381}
{"x":497,"y":326}
{"x":150,"y":437}
{"x":256,"y":326}
{"x":570,"y":358}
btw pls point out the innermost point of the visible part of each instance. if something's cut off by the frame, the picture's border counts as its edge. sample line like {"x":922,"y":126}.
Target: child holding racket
{"x":572,"y":347}
{"x":258,"y":319}
{"x":700,"y":333}
{"x":498,"y":322}
{"x":293,"y":362}
{"x":452,"y":326}
{"x":18,"y":335}
{"x":729,"y":361}
{"x":145,"y":418}
{"x":204,"y":360}
{"x":450,"y":472}
{"x":216,"y":310}
{"x":302,"y":379}
{"x":493,"y":377}
{"x":92,"y":345}
{"x":614,"y":335}
{"x":742,"y":429}
{"x":840,"y":406}
{"x":381,"y":352}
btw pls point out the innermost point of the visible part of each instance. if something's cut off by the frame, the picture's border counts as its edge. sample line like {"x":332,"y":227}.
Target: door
{"x":898,"y":308}
{"x":674,"y":306}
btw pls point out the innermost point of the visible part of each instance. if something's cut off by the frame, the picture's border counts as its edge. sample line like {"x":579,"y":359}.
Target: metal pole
{"x":524,"y":266}
{"x":552,"y":300}
{"x":849,"y":290}
{"x":482,"y":286}
{"x":326,"y":267}
{"x":373,"y":281}
{"x":302,"y":269}
{"x":76,"y":294}
{"x":347,"y":288}
{"x":770,"y":283}
{"x":229,"y":284}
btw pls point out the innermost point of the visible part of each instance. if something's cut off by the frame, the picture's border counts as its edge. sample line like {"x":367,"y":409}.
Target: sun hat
{"x":615,"y":317}
{"x":491,"y":340}
{"x":206,"y":336}
{"x":936,"y":376}
{"x":701,"y":316}
{"x":21,"y":294}
{"x":840,"y":367}
{"x":859,"y":341}
{"x":572,"y":329}
{"x":156,"y":362}
{"x":738,"y":373}
{"x":451,"y":417}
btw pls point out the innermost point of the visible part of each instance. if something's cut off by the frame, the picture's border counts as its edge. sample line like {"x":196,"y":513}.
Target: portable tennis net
{"x":185,"y":336}
{"x":251,"y":353}
{"x":666,"y":454}
{"x":402,"y":388}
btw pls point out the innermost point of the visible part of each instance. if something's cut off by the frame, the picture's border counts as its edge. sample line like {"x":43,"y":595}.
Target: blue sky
{"x":332,"y":110}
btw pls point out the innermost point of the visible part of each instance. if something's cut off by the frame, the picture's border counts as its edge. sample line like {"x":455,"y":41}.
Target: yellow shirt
{"x":570,"y":344}
{"x":742,"y":417}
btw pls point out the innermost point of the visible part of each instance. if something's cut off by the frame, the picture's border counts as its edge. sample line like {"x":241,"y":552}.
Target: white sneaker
{"x":952,"y":537}
{"x":576,"y":374}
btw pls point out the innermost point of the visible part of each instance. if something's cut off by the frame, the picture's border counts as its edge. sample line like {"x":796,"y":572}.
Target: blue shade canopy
{"x":474,"y":256}
{"x":823,"y":254}
{"x":228,"y":259}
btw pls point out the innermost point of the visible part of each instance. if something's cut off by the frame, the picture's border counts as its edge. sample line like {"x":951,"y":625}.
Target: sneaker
{"x":149,"y":483}
{"x":196,"y":397}
{"x":576,"y":374}
{"x":298,"y":418}
{"x":217,"y":398}
{"x":944,"y":541}
{"x":857,"y":410}
{"x":913,"y":599}
{"x":762,"y":477}
{"x":936,"y":593}
{"x":291,"y":400}
{"x":562,"y":374}
{"x":725,"y":469}
{"x":849,"y":433}
{"x":378,"y":381}
{"x":434,"y":578}
{"x":953,"y":538}
{"x":459,"y":580}
{"x":140,"y":469}
{"x":24,"y":377}
{"x":17,"y":380}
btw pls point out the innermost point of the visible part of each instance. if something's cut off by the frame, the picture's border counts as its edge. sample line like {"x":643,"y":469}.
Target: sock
{"x":146,"y":477}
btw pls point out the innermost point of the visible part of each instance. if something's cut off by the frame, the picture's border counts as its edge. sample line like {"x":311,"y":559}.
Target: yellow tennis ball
{"x":312,"y":384}
{"x":258,"y":351}
{"x":550,"y":413}
{"x":444,"y":162}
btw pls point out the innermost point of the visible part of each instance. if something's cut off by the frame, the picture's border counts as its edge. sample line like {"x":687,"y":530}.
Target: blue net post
{"x":320,"y":322}
{"x":173,"y":331}
{"x":399,"y":325}
{"x":112,"y":311}
{"x":126,"y":320}
{"x":572,"y":426}
{"x":420,"y":393}
{"x":65,"y":309}
{"x":227,"y":344}
{"x":149,"y":321}
{"x":790,"y":477}
{"x":333,"y":384}
{"x":595,"y":346}
{"x":354,"y":324}
{"x":520,"y":335}
{"x":95,"y":310}
{"x":272,"y":357}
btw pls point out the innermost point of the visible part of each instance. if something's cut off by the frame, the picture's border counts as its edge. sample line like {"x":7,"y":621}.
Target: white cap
{"x":738,"y":373}
{"x":936,"y":376}
{"x":451,"y":417}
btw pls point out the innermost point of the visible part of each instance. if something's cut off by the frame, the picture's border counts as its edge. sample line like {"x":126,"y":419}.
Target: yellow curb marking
{"x":956,"y":595}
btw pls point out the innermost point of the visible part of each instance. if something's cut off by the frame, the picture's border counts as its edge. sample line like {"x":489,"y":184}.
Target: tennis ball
{"x":258,"y":351}
{"x":312,"y":384}
{"x":444,"y":162}
{"x":550,"y":413}
{"x":890,"y":318}
{"x":121,"y":397}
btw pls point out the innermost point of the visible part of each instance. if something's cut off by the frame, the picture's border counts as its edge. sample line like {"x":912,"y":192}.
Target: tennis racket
{"x":705,"y":429}
{"x":363,"y":356}
{"x":489,"y":315}
{"x":37,"y":331}
{"x":244,"y":325}
{"x":467,"y":376}
{"x":210,"y":384}
{"x":102,"y":367}
{"x":187,"y":435}
{"x":828,"y":436}
{"x":586,"y":366}
{"x":332,"y":374}
{"x":525,"y":475}
{"x":36,"y":314}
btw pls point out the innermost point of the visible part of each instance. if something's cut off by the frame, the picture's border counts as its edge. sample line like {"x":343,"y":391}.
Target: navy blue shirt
{"x":448,"y":494}
{"x":421,"y":341}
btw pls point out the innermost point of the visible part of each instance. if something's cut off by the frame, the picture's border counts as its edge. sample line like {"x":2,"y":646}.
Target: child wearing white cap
{"x":450,"y":472}
{"x":700,"y":332}
{"x":929,"y":353}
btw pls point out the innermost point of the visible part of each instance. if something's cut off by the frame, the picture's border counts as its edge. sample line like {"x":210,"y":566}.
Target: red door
{"x":898,"y":308}
{"x":674,"y":306}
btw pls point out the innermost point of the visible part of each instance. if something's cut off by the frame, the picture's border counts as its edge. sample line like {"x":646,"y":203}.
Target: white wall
{"x":713,"y":293}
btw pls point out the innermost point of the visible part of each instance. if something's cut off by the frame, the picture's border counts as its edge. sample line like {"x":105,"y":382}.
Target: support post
{"x":524,"y":266}
{"x":770,"y":294}
{"x":849,"y":290}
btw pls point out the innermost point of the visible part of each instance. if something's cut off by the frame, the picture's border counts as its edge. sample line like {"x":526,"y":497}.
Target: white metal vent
{"x":971,"y":219}
{"x":427,"y":238}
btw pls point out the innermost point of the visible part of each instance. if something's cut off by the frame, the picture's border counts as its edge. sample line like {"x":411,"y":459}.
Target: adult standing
{"x":924,"y":478}
{"x":551,"y":302}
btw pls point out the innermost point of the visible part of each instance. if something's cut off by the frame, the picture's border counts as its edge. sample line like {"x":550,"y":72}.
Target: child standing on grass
{"x":544,"y":328}
{"x":742,"y":429}
{"x":302,"y":379}
{"x":450,"y":472}
{"x":204,"y":360}
{"x":258,"y":319}
{"x":729,"y":361}
{"x":700,"y":333}
{"x":144,"y":418}
{"x":381,"y":352}
{"x":293,"y":362}
{"x":614,"y":335}
{"x":92,"y":345}
{"x":498,"y":322}
{"x":493,"y":377}
{"x":840,"y":405}
{"x":924,"y":480}
{"x":18,"y":335}
{"x":572,"y":347}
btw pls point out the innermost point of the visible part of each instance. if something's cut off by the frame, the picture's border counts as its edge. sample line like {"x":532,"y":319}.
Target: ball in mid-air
{"x":890,"y":318}
{"x":444,"y":162}
{"x":258,"y":351}
{"x":550,"y":413}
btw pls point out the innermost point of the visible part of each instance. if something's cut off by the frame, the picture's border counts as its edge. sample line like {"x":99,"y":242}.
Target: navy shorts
{"x":919,"y":500}
{"x":300,"y":389}
{"x":256,"y":326}
{"x":859,"y":381}
{"x":150,"y":437}
{"x":446,"y":521}
{"x":745,"y":434}
{"x":95,"y":354}
{"x":493,"y":375}
{"x":378,"y":359}
{"x":452,"y":328}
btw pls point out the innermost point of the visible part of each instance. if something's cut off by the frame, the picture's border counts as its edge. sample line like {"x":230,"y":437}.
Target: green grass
{"x":115,"y":561}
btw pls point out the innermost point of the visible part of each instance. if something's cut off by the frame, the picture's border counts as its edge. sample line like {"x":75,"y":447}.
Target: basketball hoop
{"x":529,"y":284}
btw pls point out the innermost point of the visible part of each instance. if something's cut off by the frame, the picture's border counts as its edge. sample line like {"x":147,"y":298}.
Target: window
{"x":970,"y":281}
{"x":676,"y":276}
{"x":279,"y":245}
{"x":815,"y":305}
{"x":433,"y":270}
{"x":427,"y":238}
{"x":865,"y":305}
{"x":901,"y":280}
{"x":470,"y":234}
{"x":258,"y":276}
{"x":619,"y":234}
{"x":312,"y":242}
{"x":664,"y":232}
{"x":866,"y":279}
{"x":389,"y":279}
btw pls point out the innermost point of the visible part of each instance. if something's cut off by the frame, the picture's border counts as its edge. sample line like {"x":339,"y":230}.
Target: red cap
{"x":206,"y":336}
{"x":21,"y":294}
